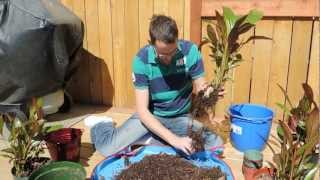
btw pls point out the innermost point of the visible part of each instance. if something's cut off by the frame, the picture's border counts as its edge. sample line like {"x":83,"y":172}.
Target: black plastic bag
{"x":39,"y":40}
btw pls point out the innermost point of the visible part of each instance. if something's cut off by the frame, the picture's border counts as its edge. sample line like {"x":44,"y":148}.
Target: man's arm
{"x":142,"y":101}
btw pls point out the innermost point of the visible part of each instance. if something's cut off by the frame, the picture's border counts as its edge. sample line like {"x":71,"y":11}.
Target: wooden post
{"x":195,"y":21}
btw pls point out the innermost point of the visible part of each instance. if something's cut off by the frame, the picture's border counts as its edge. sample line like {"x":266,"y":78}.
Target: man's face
{"x":165,"y":52}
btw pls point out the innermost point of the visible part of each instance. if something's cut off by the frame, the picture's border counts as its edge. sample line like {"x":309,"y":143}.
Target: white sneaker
{"x":92,"y":120}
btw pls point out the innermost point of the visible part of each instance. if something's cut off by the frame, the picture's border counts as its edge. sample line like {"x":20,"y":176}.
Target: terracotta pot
{"x":248,"y":172}
{"x":264,"y":174}
{"x":64,"y":144}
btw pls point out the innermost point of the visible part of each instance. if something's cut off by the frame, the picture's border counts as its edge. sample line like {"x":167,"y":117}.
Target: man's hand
{"x":182,"y":143}
{"x":209,"y":89}
{"x":202,"y":84}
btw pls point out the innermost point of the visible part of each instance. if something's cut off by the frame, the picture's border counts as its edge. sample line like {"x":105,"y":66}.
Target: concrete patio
{"x":90,"y":158}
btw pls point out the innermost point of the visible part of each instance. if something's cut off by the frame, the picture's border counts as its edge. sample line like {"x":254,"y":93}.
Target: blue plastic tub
{"x":112,"y":166}
{"x":250,"y":126}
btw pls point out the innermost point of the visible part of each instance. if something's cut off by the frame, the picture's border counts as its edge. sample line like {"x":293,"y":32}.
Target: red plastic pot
{"x":64,"y":144}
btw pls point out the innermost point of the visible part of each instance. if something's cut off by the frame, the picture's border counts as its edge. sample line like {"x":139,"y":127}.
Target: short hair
{"x":163,"y":28}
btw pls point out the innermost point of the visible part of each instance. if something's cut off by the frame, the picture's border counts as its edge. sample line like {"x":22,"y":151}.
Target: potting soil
{"x":168,"y":167}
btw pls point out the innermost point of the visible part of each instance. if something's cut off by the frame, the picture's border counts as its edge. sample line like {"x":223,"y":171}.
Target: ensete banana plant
{"x":224,"y":43}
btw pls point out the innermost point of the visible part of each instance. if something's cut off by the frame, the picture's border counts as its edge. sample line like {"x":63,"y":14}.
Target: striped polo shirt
{"x":170,"y":86}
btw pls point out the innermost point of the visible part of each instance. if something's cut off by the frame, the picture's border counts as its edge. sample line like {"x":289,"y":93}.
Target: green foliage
{"x":299,"y":137}
{"x":24,"y":129}
{"x":224,"y":41}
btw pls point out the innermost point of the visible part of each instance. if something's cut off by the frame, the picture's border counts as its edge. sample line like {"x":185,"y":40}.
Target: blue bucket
{"x":112,"y":166}
{"x":250,"y":126}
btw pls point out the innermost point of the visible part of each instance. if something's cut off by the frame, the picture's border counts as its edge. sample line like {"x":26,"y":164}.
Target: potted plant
{"x":298,"y":138}
{"x":225,"y":45}
{"x":25,"y":145}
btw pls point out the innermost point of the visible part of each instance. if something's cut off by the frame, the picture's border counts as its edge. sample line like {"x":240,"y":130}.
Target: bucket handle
{"x":254,"y":120}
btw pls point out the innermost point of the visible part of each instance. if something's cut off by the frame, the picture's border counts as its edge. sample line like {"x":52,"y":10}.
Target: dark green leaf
{"x":233,"y":47}
{"x":310,"y":175}
{"x":239,"y":21}
{"x":221,"y":26}
{"x":238,"y":56}
{"x":245,"y":28}
{"x":256,"y":37}
{"x":212,"y":34}
{"x":236,"y":61}
{"x":202,"y":43}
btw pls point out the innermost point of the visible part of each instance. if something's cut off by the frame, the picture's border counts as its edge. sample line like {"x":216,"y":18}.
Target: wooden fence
{"x":116,"y":29}
{"x":289,"y":59}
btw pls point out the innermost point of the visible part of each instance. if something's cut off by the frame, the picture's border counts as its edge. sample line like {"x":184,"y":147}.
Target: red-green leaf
{"x":313,"y":124}
{"x":308,"y":91}
{"x":286,"y":132}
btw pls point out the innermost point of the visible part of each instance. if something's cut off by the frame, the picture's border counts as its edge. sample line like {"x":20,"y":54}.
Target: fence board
{"x":299,"y":58}
{"x":261,"y":62}
{"x":118,"y":33}
{"x":313,"y":75}
{"x":242,"y":74}
{"x":279,"y":64}
{"x":145,"y":13}
{"x":305,"y":8}
{"x":93,"y":41}
{"x":209,"y":65}
{"x":106,"y":54}
{"x":161,"y":7}
{"x":177,"y":14}
{"x":186,"y":20}
{"x":79,"y":84}
{"x":68,"y":4}
{"x":131,"y":46}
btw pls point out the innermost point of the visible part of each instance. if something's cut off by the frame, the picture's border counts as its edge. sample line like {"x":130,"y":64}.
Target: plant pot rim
{"x":264,"y":170}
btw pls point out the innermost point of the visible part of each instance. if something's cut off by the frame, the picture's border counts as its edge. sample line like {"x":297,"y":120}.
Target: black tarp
{"x":39,"y":40}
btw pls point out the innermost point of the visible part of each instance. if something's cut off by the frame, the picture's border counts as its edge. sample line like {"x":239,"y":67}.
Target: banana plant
{"x":225,"y":46}
{"x":298,"y":136}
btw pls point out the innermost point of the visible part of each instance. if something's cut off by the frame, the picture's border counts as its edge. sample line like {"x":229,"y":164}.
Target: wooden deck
{"x":90,"y":158}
